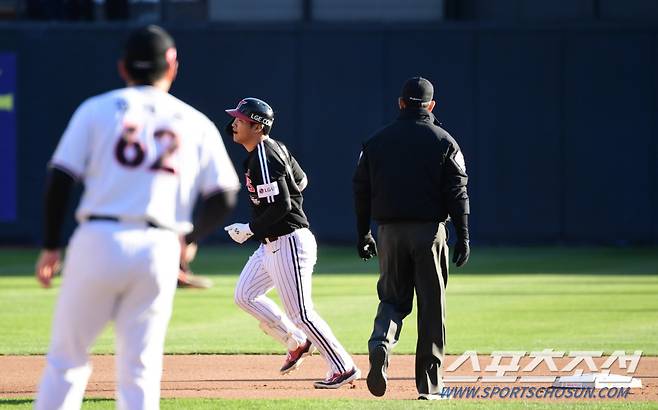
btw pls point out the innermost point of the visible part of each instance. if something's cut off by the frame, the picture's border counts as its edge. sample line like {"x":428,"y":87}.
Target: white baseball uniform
{"x":144,"y":156}
{"x":285,"y":257}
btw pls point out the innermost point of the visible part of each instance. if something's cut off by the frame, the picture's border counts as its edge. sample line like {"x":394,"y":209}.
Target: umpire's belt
{"x":110,"y":218}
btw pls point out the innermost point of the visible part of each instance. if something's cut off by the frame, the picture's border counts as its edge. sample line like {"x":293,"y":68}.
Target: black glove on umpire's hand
{"x":462,"y":252}
{"x":462,"y":247}
{"x":366,"y":247}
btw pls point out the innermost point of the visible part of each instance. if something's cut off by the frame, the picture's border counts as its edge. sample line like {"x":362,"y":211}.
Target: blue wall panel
{"x":608,"y":110}
{"x":558,"y":126}
{"x":653,"y":162}
{"x":526,"y":10}
{"x":519,"y":136}
{"x":555,"y":10}
{"x":8,"y":157}
{"x":341,"y":92}
{"x":628,"y":10}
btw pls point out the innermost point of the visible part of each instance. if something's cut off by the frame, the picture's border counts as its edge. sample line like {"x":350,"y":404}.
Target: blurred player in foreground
{"x":143,"y":156}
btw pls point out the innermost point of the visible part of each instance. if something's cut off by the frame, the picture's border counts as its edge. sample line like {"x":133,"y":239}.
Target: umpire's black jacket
{"x":410,"y":171}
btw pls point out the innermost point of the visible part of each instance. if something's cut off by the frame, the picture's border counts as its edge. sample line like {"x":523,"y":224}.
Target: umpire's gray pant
{"x":413,"y":256}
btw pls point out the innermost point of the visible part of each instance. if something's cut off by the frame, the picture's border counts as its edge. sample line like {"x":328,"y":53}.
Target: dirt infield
{"x":257,"y":377}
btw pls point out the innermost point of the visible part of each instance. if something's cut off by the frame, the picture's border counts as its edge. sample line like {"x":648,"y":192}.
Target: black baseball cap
{"x":149,"y":49}
{"x":417,"y":89}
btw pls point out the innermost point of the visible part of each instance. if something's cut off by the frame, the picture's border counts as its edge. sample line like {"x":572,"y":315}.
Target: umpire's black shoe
{"x":377,"y":375}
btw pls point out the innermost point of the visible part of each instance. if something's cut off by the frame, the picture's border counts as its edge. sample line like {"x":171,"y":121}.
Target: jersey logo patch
{"x":266,"y":190}
{"x":459,"y":160}
{"x":250,"y":185}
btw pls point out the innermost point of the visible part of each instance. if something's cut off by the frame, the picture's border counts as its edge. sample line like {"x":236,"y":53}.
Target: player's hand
{"x":47,"y":266}
{"x":187,"y":279}
{"x":187,"y":251}
{"x":462,"y":252}
{"x":366,"y":247}
{"x":239,"y":232}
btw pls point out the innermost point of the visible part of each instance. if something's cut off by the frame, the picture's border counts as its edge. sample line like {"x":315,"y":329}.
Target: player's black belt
{"x":109,"y":218}
{"x":269,"y":239}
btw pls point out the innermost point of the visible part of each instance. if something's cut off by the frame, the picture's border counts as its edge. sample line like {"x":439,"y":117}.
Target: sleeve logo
{"x":459,"y":160}
{"x":265,"y":190}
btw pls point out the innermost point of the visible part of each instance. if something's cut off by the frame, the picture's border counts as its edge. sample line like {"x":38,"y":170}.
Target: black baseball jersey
{"x":274,"y":182}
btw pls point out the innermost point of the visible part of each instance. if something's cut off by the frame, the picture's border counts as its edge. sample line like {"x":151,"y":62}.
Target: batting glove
{"x":239,"y":232}
{"x":366,"y":247}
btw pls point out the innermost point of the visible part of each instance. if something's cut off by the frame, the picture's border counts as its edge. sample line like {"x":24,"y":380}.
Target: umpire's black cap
{"x":418,"y":90}
{"x":149,"y":50}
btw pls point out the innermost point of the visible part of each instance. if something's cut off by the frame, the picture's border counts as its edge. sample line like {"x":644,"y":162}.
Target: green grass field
{"x":214,"y":404}
{"x":504,"y":299}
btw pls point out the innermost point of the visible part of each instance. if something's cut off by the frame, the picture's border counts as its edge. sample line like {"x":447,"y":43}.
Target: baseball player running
{"x":287,"y":251}
{"x":143,"y":157}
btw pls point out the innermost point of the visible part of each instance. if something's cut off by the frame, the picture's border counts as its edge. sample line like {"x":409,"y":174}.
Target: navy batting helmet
{"x":253,"y":110}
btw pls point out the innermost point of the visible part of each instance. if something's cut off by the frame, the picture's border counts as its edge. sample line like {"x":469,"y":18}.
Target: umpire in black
{"x":411,"y":179}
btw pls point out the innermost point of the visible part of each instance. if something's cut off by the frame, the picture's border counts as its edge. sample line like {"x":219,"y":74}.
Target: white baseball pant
{"x":121,"y":272}
{"x":287,"y":265}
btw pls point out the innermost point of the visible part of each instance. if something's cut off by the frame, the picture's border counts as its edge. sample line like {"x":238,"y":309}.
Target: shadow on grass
{"x":15,"y":402}
{"x":229,"y":260}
